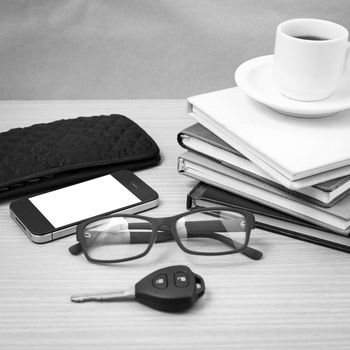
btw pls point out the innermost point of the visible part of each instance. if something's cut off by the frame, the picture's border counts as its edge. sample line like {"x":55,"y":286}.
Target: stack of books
{"x":293,"y":173}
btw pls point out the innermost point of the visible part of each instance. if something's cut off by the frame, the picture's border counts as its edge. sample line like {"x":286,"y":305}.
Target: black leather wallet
{"x":52,"y":155}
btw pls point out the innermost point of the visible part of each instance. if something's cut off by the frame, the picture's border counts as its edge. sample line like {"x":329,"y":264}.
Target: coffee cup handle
{"x":347,"y":59}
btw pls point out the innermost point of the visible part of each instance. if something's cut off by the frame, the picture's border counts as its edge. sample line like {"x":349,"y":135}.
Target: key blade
{"x":110,"y":296}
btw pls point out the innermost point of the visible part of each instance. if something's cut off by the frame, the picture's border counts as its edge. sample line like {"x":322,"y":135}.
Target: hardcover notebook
{"x":199,"y":139}
{"x":296,"y":152}
{"x":335,"y":218}
{"x":203,"y":195}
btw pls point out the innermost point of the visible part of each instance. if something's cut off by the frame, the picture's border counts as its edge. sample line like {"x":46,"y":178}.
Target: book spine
{"x":196,"y":192}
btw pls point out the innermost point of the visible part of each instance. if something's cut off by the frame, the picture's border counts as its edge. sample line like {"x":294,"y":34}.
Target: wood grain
{"x":297,"y":297}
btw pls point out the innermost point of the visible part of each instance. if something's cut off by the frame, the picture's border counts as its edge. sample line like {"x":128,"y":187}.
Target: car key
{"x":171,"y":289}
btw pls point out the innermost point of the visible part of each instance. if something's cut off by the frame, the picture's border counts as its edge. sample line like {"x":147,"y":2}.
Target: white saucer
{"x":255,"y":78}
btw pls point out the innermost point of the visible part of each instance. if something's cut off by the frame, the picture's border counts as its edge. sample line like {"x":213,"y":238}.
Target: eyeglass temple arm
{"x":196,"y":229}
{"x":248,"y":251}
{"x":75,"y":249}
{"x":166,"y":236}
{"x":252,"y":253}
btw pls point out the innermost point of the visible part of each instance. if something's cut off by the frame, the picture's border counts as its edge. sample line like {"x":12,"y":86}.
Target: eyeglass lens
{"x":214,"y":231}
{"x":114,"y":238}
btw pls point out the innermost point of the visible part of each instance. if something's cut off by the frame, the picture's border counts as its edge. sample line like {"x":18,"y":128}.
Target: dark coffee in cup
{"x":309,"y":58}
{"x":310,"y":37}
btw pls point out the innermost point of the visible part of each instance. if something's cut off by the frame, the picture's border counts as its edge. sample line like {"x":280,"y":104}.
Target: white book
{"x":296,"y":152}
{"x":199,"y":139}
{"x":335,"y":218}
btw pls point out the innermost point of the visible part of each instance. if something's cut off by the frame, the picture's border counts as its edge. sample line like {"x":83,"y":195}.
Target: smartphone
{"x":55,"y":214}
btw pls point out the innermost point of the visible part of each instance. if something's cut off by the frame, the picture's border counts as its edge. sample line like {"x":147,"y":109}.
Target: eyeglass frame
{"x":170,"y":222}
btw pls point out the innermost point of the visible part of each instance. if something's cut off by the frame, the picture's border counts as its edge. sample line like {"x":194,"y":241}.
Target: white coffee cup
{"x":310,"y":58}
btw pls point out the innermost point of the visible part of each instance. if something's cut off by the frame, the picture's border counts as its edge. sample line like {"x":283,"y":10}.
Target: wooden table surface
{"x":296,"y":297}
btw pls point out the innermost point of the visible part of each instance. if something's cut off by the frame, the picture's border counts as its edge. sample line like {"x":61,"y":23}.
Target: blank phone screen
{"x":84,"y":200}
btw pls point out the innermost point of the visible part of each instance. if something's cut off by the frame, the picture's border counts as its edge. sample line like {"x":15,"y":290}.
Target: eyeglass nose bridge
{"x":166,"y":222}
{"x":164,"y":228}
{"x":168,"y":226}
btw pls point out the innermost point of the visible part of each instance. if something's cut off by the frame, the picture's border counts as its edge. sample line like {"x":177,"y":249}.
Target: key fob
{"x":171,"y":289}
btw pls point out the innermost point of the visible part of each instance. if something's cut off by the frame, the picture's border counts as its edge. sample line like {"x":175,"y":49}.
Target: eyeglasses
{"x":209,"y":231}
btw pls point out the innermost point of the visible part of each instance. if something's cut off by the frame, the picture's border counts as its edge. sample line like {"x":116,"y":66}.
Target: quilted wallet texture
{"x":52,"y":155}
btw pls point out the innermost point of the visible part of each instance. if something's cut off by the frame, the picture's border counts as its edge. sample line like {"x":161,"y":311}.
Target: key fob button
{"x":160,"y":281}
{"x":181,"y":279}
